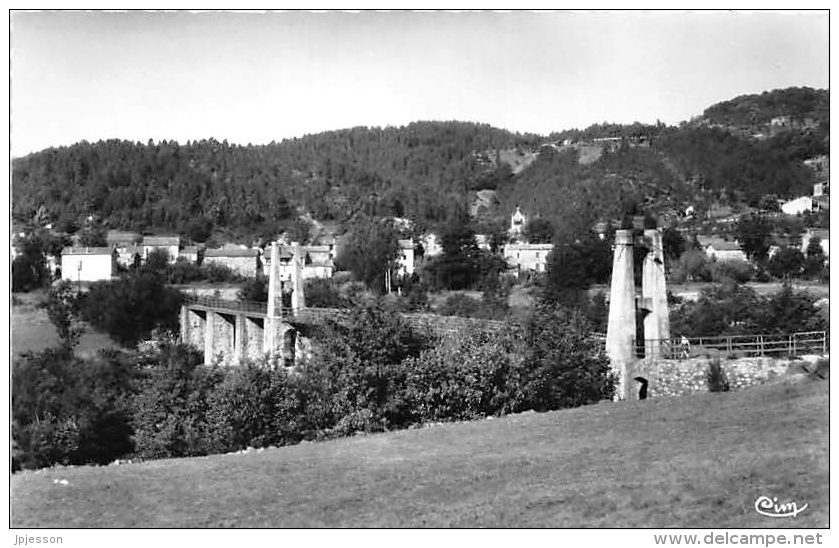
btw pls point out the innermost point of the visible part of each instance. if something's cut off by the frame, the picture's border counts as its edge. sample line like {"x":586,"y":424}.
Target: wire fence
{"x":777,"y":344}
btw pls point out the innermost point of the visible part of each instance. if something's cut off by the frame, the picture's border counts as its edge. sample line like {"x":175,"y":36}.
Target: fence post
{"x":789,"y":347}
{"x":760,"y":341}
{"x":824,"y":343}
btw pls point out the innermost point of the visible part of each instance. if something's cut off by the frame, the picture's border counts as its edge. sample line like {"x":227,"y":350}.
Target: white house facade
{"x":527,"y":257}
{"x":87,"y":264}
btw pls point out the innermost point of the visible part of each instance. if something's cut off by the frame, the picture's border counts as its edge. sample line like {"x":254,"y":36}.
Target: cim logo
{"x":769,"y":507}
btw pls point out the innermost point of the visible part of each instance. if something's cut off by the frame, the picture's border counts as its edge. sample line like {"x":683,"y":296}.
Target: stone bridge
{"x":234,"y":331}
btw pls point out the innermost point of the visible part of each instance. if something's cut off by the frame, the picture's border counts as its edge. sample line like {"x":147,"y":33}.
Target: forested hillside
{"x":421,"y":170}
{"x":427,"y":170}
{"x":743,"y":169}
{"x":571,"y":195}
{"x":799,"y":104}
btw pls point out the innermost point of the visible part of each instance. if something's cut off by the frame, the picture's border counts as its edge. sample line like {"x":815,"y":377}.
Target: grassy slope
{"x":694,"y":461}
{"x":33,"y":331}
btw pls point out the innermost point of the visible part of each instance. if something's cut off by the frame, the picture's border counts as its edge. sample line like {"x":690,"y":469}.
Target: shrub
{"x":28,"y":273}
{"x":358,"y":363}
{"x":561,"y":363}
{"x":788,"y":310}
{"x":62,"y":305}
{"x":170,"y":408}
{"x":814,"y":264}
{"x":460,"y":304}
{"x":415,"y":293}
{"x":69,"y":411}
{"x":254,"y":289}
{"x":157,"y":263}
{"x":128,"y":309}
{"x":321,"y":293}
{"x":253,"y":406}
{"x":786,"y":262}
{"x":692,"y":266}
{"x":715,"y":377}
{"x":217,"y":273}
{"x":734,"y":270}
{"x":492,"y":306}
{"x":185,"y":271}
{"x":466,"y":376}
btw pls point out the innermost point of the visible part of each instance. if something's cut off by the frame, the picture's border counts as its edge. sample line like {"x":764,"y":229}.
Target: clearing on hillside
{"x":694,"y":461}
{"x":32,"y":330}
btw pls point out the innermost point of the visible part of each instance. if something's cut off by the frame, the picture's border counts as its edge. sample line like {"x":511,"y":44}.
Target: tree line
{"x":426,"y":171}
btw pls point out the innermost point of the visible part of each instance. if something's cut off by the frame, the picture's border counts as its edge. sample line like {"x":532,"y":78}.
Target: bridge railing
{"x":786,"y":344}
{"x":229,"y":304}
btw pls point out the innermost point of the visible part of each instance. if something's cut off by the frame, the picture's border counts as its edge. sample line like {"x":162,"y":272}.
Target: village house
{"x":804,"y":204}
{"x":170,"y":244}
{"x":318,"y":261}
{"x":88,"y":264}
{"x":723,"y":250}
{"x":526,"y":257}
{"x":285,"y":263}
{"x":118,"y":238}
{"x":244,"y":262}
{"x":405,"y":258}
{"x":190,"y":253}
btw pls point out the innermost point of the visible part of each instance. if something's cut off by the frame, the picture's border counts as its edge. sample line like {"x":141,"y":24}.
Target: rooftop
{"x":521,"y":246}
{"x":87,"y":251}
{"x":162,"y":240}
{"x":115,"y":237}
{"x":231,"y":253}
{"x":823,"y":233}
{"x":724,"y":245}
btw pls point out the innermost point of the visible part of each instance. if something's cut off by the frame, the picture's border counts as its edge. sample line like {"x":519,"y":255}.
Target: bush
{"x":253,"y":406}
{"x":170,"y":408}
{"x":218,"y":273}
{"x":254,"y":289}
{"x":787,"y":262}
{"x":359,"y":364}
{"x":28,"y":273}
{"x":128,"y":309}
{"x":464,"y":377}
{"x":561,"y":362}
{"x":62,"y":305}
{"x":415,"y":293}
{"x":715,"y":377}
{"x":735,"y":270}
{"x":69,"y":411}
{"x":184,"y":272}
{"x":460,"y":304}
{"x":322,"y":293}
{"x":692,"y":266}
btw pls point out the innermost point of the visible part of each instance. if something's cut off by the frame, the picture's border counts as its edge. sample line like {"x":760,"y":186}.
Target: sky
{"x":258,"y":77}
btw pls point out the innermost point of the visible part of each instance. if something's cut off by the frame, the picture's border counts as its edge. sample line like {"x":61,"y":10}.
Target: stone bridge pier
{"x":232,"y":332}
{"x":623,"y":303}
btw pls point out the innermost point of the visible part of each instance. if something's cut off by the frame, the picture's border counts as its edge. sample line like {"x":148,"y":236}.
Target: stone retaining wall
{"x":676,"y":378}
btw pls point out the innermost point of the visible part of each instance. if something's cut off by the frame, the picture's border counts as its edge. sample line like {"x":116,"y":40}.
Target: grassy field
{"x":33,"y":331}
{"x":695,"y":461}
